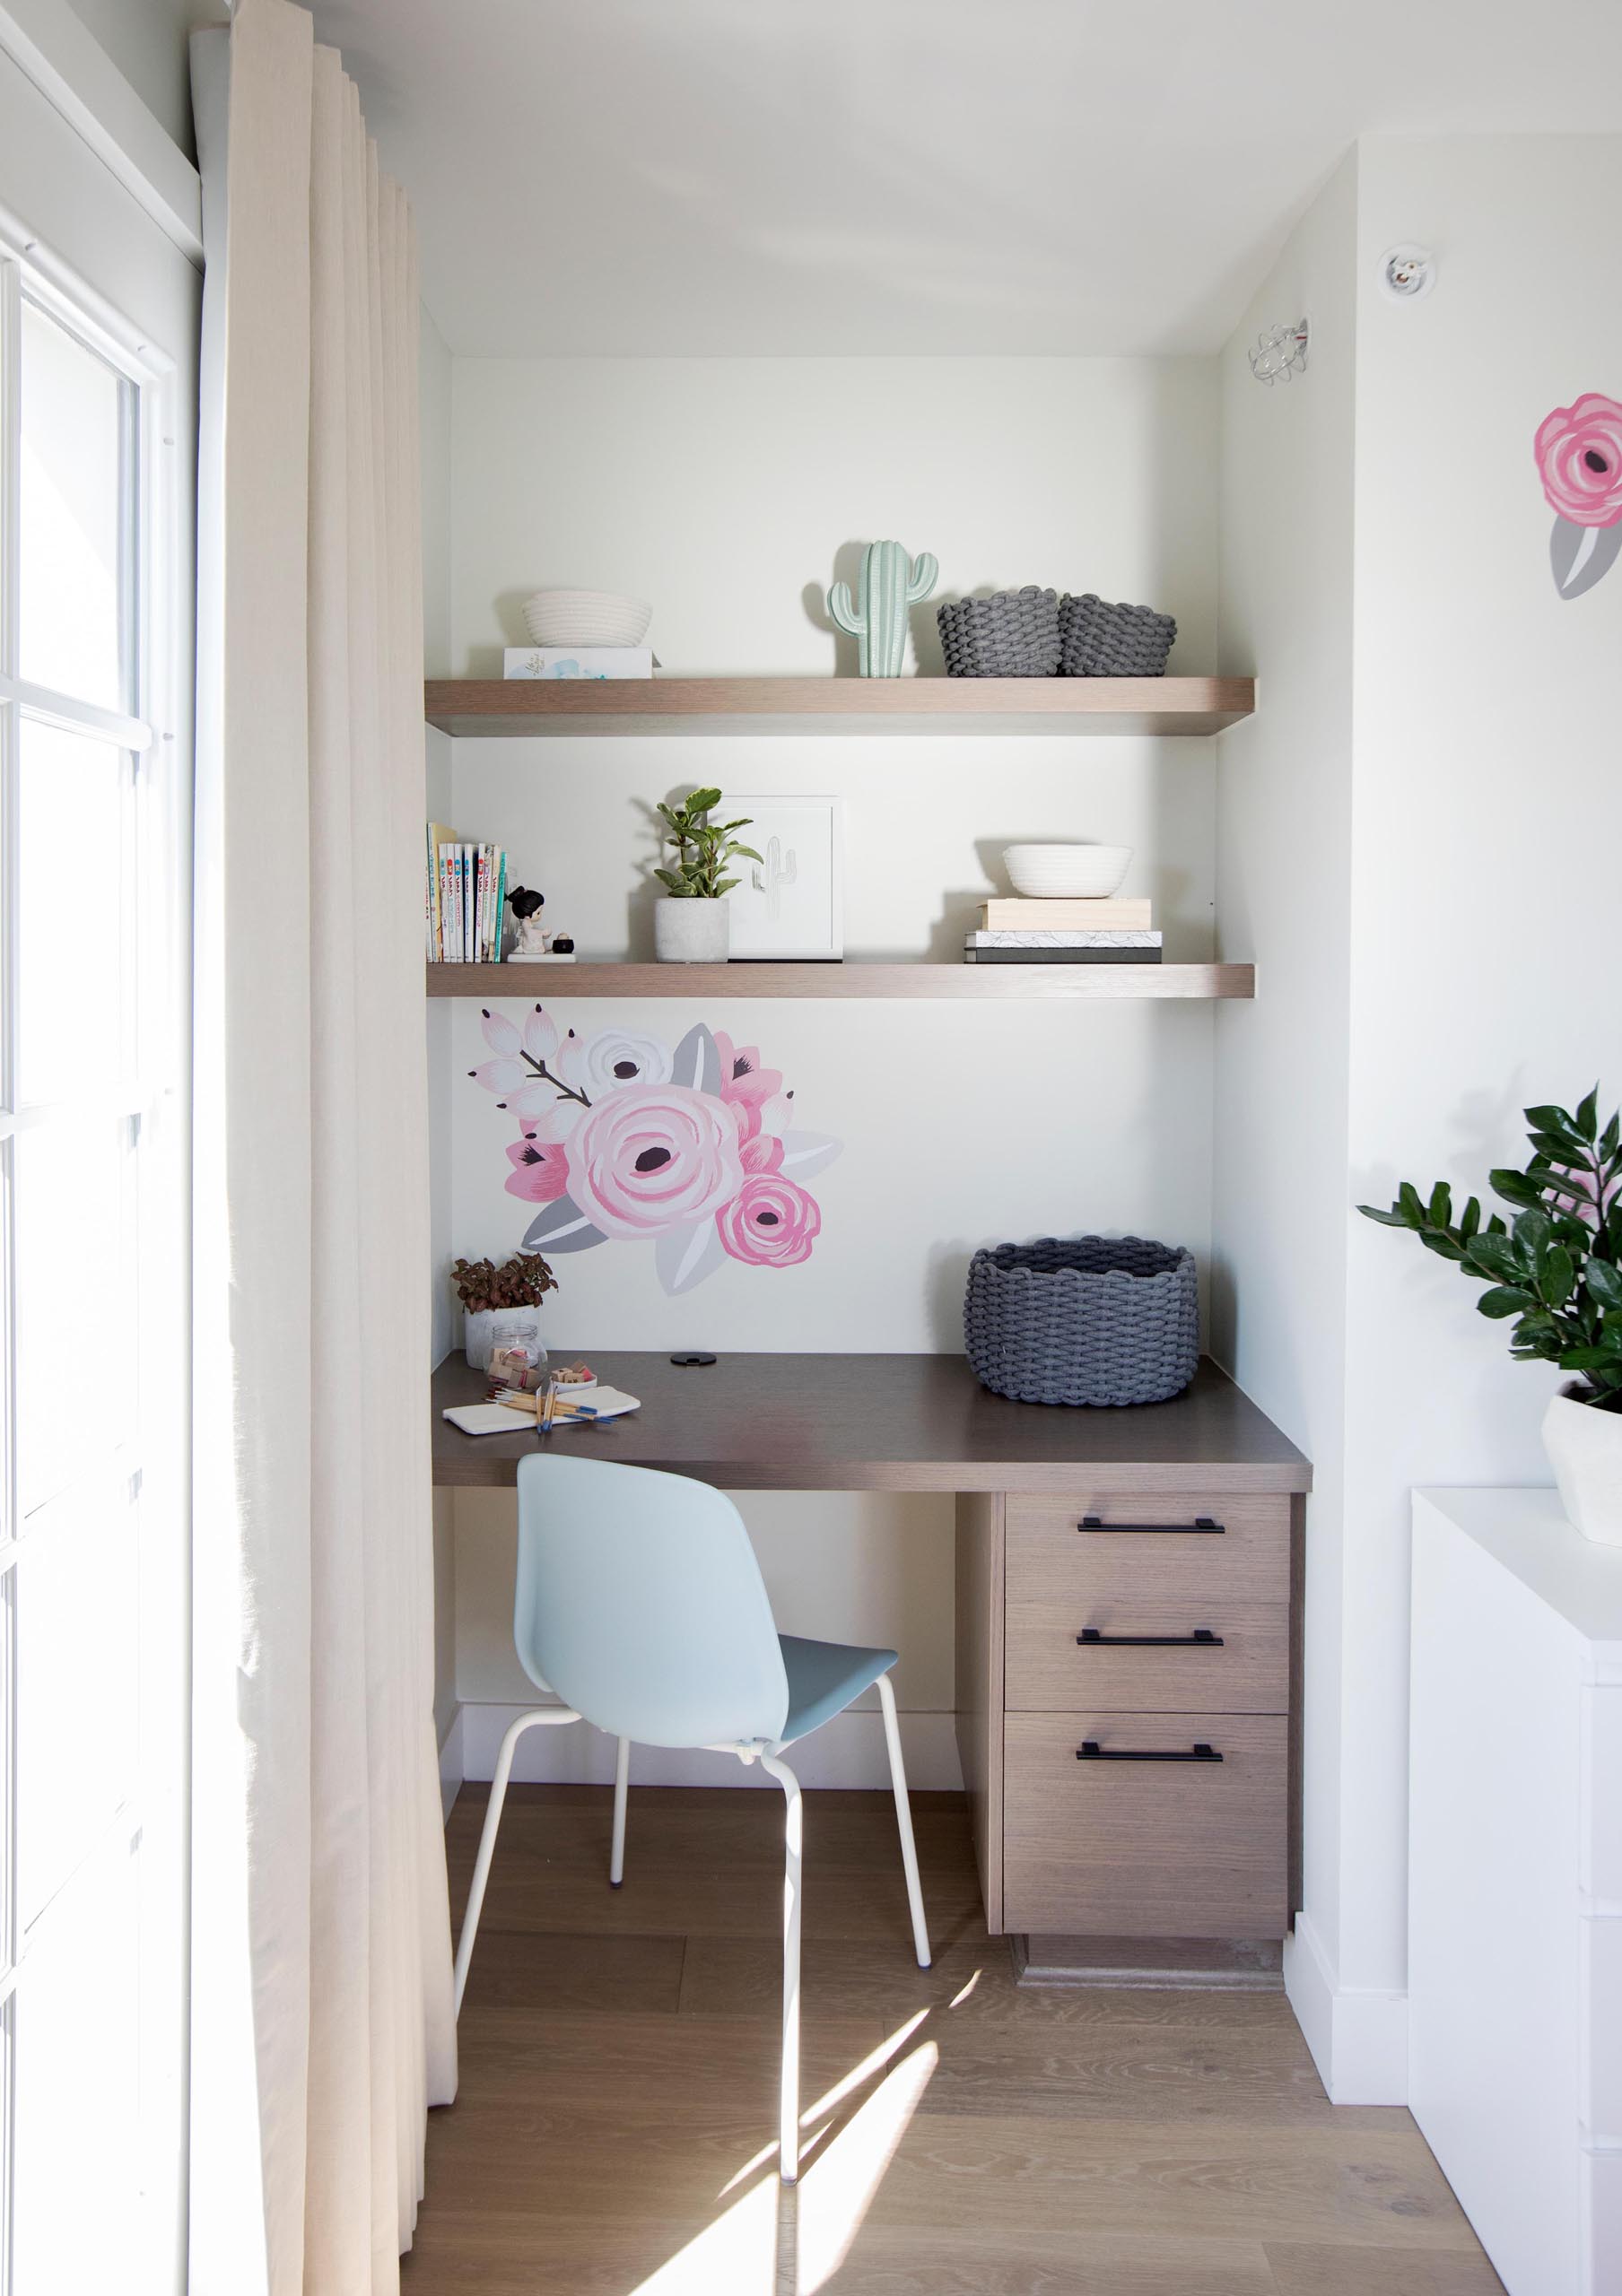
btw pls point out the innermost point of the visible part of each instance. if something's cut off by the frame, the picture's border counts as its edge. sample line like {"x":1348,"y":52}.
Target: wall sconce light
{"x":1280,"y":353}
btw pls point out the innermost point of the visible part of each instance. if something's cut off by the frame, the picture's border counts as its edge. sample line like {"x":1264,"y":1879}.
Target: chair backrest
{"x":641,"y":1602}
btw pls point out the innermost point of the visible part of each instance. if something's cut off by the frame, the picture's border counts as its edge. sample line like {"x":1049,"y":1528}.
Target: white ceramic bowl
{"x":1066,"y":871}
{"x":586,"y":618}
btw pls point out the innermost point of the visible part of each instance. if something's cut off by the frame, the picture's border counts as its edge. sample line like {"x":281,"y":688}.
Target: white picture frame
{"x":791,"y":904}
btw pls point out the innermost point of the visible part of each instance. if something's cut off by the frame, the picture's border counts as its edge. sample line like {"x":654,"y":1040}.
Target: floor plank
{"x":1311,"y":2269}
{"x":613,"y":2132}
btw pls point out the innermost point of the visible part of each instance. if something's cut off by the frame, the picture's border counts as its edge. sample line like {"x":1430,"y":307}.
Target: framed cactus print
{"x":789,"y":904}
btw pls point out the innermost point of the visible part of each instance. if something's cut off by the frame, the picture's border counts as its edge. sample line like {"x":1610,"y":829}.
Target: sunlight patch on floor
{"x":783,"y":2240}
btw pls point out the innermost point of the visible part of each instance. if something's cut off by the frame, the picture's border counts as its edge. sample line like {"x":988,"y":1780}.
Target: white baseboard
{"x":848,"y":1751}
{"x":451,"y":1769}
{"x":1358,"y":2038}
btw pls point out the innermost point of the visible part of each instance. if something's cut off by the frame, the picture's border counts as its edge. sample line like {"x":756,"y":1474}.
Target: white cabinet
{"x":1515,"y":1881}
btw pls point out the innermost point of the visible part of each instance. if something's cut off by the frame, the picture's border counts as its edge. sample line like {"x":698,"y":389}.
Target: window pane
{"x":73,"y":1210}
{"x":71,"y":562}
{"x":74,"y":819}
{"x":77,"y":1751}
{"x":78,"y":2091}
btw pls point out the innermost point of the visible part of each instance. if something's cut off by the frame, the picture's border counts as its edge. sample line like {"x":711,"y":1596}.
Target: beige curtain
{"x":322,"y":2026}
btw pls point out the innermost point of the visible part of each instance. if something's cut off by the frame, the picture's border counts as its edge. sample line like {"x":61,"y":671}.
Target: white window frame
{"x":156,"y":732}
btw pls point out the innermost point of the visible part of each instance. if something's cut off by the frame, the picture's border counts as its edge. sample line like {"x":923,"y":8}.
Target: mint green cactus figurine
{"x":879,"y":621}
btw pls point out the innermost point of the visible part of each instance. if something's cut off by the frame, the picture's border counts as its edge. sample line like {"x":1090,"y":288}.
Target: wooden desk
{"x":886,"y":1423}
{"x":1129,"y":1609}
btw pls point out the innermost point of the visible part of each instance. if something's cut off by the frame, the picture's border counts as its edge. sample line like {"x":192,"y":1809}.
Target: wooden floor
{"x":618,"y":2065}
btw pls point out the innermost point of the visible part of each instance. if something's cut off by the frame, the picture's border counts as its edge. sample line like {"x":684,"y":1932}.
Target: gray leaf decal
{"x":1579,"y":555}
{"x":805,"y":1152}
{"x":684,"y":1256}
{"x":561,"y":1226}
{"x":697,"y":1063}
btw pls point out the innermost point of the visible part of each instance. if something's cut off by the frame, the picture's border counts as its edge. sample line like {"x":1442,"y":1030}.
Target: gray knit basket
{"x":1099,"y":640}
{"x":1013,"y":635}
{"x":1083,"y":1319}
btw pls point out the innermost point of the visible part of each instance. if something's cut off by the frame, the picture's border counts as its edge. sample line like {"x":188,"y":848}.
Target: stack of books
{"x":466,"y":898}
{"x":1064,"y":932}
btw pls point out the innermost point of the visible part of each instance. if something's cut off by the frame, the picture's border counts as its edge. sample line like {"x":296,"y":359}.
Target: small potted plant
{"x":690,"y":918}
{"x":502,"y":1304}
{"x":1556,"y":1268}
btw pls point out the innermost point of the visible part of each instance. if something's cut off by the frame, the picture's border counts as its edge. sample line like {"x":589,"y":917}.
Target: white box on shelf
{"x":577,"y":662}
{"x":790,"y":903}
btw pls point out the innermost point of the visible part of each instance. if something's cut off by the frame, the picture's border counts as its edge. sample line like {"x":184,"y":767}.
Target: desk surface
{"x":886,"y":1423}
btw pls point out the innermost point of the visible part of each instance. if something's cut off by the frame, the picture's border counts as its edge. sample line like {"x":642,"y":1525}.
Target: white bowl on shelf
{"x":1066,"y":871}
{"x":586,"y":618}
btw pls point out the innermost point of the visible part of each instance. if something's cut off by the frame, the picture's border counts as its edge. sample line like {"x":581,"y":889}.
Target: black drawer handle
{"x":1090,"y":1750}
{"x":1202,"y":1638}
{"x":1202,"y":1523}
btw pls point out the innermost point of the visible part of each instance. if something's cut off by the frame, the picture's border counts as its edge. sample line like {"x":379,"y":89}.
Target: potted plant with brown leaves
{"x":1556,"y":1267}
{"x":691,"y":920}
{"x":502,"y":1304}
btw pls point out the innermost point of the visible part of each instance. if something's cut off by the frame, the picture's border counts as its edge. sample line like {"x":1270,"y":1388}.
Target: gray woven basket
{"x":1093,"y":1320}
{"x":1098,"y":640}
{"x":1013,"y":635}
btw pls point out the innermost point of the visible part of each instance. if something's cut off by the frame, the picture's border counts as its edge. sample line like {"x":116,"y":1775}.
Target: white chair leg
{"x":903,"y":1820}
{"x":540,"y":1715}
{"x":621,"y":1780}
{"x":787,"y":2158}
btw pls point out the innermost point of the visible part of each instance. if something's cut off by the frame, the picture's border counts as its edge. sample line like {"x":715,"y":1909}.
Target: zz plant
{"x":1556,"y":1265}
{"x":702,"y":850}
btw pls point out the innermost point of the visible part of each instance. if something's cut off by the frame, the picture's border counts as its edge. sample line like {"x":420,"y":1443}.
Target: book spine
{"x":501,"y":908}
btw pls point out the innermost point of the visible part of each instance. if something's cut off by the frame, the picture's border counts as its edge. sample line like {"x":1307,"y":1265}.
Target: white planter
{"x":691,"y":932}
{"x":491,"y":1327}
{"x":1584,"y":1448}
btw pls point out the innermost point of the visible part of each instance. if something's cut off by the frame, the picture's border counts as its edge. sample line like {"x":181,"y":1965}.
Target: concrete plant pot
{"x":1584,"y":1448}
{"x":690,"y":931}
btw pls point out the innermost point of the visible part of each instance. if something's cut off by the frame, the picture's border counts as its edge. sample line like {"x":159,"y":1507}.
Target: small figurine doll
{"x":527,"y":906}
{"x":535,"y":945}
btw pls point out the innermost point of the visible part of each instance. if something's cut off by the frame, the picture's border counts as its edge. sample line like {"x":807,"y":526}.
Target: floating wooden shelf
{"x":523,"y":707}
{"x":556,"y":984}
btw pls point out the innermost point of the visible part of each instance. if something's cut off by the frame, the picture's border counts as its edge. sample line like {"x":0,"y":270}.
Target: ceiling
{"x":867,"y":177}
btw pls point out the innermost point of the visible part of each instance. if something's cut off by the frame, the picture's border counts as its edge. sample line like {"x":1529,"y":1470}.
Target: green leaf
{"x":668,"y":877}
{"x":1584,"y":1358}
{"x":1408,"y":1199}
{"x":1470,"y":1220}
{"x":1497,"y":1256}
{"x":1604,"y":1283}
{"x":747,"y":851}
{"x":1533,"y":1232}
{"x":1558,"y":1277}
{"x":1442,"y":1205}
{"x":726,"y":885}
{"x":1587,"y":1117}
{"x":1503,"y":1300}
{"x":1516,"y":1187}
{"x":1386,"y":1218}
{"x":700,"y":800}
{"x":1558,"y":1125}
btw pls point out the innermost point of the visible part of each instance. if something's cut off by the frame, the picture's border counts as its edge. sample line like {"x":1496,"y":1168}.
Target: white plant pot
{"x":487,"y":1328}
{"x":691,"y":932}
{"x":1584,"y":1448}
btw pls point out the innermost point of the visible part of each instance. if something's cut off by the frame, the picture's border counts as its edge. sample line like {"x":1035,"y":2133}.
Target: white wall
{"x":1283,"y":899}
{"x":1454,"y":821}
{"x":433,"y":383}
{"x":147,"y":40}
{"x":725,"y":492}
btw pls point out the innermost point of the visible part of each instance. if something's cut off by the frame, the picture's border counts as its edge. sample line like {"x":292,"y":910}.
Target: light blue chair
{"x":639,"y":1602}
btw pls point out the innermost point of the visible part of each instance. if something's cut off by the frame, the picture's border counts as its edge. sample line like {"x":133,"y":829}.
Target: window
{"x":94,"y":828}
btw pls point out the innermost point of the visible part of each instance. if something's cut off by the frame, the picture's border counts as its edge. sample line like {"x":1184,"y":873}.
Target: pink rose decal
{"x":770,"y":1222}
{"x":693,"y":1149}
{"x":1579,"y":453}
{"x":746,"y":1085}
{"x":651,"y":1157}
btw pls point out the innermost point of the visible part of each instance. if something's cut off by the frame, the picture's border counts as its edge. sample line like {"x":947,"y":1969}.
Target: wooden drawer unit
{"x":1117,"y":1825}
{"x":1127,"y":1680}
{"x":1130,"y":1605}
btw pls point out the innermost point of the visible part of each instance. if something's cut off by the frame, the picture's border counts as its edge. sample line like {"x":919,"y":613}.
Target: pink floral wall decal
{"x":619,"y":1138}
{"x":1578,"y":455}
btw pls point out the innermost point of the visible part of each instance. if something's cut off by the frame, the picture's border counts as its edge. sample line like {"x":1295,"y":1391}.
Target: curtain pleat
{"x":323,"y":1932}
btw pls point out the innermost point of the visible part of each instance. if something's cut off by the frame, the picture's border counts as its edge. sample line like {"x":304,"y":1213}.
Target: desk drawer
{"x":1158,"y":1848}
{"x":1231,"y":1584}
